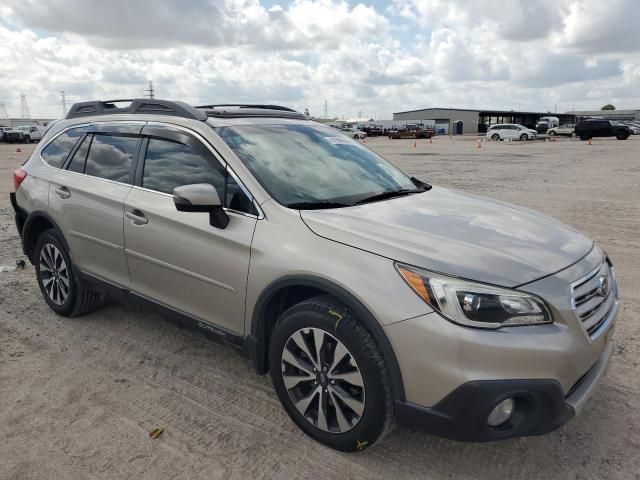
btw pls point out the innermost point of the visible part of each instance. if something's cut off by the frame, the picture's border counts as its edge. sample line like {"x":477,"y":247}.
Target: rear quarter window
{"x":58,"y":150}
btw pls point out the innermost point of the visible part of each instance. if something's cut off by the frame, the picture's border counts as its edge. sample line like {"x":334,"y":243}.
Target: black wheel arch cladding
{"x":260,"y":324}
{"x":31,"y":226}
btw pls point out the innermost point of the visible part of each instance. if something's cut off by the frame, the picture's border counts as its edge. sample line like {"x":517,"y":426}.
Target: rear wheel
{"x":552,"y":133}
{"x":330,"y":375}
{"x":622,"y":135}
{"x":495,"y":136}
{"x":62,"y":291}
{"x":524,"y":136}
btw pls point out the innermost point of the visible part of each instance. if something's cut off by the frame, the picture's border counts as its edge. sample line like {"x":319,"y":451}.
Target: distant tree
{"x":608,"y":106}
{"x":306,"y":112}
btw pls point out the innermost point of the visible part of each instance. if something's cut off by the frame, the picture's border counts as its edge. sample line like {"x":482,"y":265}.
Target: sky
{"x":369,"y":58}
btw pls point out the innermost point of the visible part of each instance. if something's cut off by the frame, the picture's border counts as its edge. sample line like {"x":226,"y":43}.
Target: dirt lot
{"x":79,"y":396}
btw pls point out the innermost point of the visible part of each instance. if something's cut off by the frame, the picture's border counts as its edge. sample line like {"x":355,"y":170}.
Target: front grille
{"x":593,"y":297}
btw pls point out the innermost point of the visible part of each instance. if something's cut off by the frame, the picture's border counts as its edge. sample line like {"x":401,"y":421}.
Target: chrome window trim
{"x":95,"y":178}
{"x":80,"y":125}
{"x":144,"y":123}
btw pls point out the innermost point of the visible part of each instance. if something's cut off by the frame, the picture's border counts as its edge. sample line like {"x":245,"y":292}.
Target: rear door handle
{"x":136,"y":216}
{"x":63,"y":192}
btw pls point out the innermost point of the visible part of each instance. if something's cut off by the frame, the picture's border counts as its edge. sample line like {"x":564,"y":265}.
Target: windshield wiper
{"x":317,"y":205}
{"x":389,"y":194}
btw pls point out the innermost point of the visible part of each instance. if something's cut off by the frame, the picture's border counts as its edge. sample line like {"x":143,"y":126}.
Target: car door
{"x":86,"y":199}
{"x":177,"y":258}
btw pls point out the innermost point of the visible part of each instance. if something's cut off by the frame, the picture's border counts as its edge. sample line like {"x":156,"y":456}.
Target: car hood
{"x":457,"y":234}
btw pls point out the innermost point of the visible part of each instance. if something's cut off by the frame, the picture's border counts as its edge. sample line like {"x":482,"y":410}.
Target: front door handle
{"x":63,"y":192}
{"x":136,"y":216}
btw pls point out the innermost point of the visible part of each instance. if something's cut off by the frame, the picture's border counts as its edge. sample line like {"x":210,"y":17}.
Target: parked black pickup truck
{"x":600,"y":127}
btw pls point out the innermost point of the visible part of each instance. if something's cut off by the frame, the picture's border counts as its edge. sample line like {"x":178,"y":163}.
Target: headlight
{"x":474,"y":304}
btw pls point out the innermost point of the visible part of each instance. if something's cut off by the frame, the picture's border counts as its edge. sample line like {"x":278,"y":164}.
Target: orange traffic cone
{"x":589,"y":142}
{"x":414,"y":145}
{"x":18,"y":150}
{"x":430,"y":140}
{"x":479,"y":143}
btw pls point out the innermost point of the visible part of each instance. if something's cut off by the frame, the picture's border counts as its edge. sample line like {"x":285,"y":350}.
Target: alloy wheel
{"x":323,"y":380}
{"x":54,"y":274}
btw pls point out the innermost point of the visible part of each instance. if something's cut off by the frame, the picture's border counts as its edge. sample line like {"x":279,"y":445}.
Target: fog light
{"x":501,"y":412}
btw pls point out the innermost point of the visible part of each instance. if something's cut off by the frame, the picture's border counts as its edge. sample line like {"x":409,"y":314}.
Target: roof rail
{"x":137,"y":106}
{"x":246,"y":111}
{"x":243,"y":105}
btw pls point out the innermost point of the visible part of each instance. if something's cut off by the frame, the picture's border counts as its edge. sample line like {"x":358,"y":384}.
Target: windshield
{"x":312,"y":163}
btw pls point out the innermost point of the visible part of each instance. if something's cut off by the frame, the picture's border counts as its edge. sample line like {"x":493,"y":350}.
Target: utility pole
{"x":3,"y":110}
{"x":24,"y":107}
{"x":64,"y":103}
{"x":149,"y":91}
{"x":326,"y":110}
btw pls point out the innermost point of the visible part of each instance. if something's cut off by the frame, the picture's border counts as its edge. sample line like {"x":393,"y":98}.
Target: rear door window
{"x":111,"y":157}
{"x":57,"y":151}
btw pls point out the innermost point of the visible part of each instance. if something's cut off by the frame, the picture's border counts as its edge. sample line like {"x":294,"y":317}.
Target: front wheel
{"x":552,"y":133}
{"x":622,"y":135}
{"x":524,"y":136}
{"x":584,"y":136}
{"x":62,"y":291}
{"x":330,"y":375}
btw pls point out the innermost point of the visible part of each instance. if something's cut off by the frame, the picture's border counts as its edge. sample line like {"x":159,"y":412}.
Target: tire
{"x":495,"y":137}
{"x":552,"y":133}
{"x":50,"y":254}
{"x":524,"y":137}
{"x":584,"y":136}
{"x":346,"y":429}
{"x":622,"y":135}
{"x":356,"y":137}
{"x":573,"y":135}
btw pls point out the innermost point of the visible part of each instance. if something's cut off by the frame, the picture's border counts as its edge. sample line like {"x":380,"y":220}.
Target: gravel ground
{"x":79,"y":396}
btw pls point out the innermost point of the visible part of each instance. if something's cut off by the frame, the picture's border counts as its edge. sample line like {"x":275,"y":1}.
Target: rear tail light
{"x":18,"y":177}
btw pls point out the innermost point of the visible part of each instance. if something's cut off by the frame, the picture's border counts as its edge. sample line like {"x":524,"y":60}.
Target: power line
{"x":64,"y":103}
{"x":149,"y":91}
{"x":24,"y":107}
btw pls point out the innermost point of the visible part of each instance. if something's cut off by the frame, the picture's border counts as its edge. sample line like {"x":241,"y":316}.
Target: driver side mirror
{"x":201,"y":197}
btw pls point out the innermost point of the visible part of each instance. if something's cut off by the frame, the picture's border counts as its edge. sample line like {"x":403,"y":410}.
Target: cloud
{"x":360,"y":57}
{"x":123,"y":24}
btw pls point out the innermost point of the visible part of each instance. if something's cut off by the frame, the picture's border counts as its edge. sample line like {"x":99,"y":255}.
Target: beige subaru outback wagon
{"x":371,"y":297}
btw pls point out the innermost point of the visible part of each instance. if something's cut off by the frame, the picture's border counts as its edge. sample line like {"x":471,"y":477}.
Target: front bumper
{"x":540,"y":406}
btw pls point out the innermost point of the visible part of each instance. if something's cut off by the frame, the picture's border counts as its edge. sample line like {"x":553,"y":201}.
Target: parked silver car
{"x":370,"y":296}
